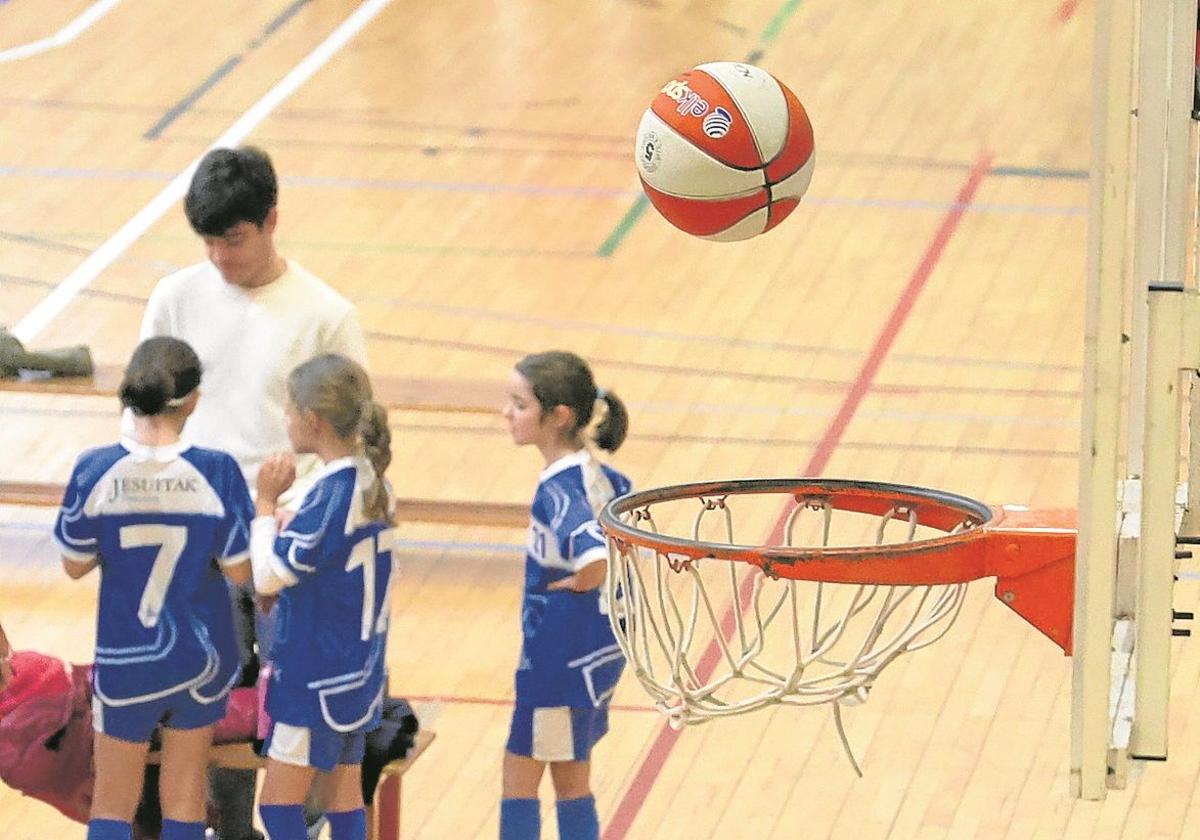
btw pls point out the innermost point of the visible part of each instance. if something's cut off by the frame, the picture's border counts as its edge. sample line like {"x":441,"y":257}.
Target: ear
{"x":270,"y":221}
{"x":562,"y":417}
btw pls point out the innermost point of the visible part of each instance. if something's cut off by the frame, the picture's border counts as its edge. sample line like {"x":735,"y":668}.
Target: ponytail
{"x":376,"y":440}
{"x":610,"y":434}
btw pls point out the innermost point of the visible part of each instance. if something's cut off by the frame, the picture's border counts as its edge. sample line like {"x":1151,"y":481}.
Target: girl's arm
{"x":271,"y":575}
{"x":76,"y":569}
{"x":586,"y":579}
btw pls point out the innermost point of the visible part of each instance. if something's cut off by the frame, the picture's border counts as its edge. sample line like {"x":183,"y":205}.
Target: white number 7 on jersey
{"x":170,"y":540}
{"x":363,"y":555}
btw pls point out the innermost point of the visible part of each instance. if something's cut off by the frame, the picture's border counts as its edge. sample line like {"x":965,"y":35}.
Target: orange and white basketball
{"x":725,"y":151}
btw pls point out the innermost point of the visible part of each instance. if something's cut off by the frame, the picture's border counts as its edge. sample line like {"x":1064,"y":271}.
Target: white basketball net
{"x":713,"y":638}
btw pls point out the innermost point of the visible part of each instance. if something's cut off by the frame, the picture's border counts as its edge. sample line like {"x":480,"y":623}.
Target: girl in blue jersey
{"x":331,"y":566}
{"x":570,"y":661}
{"x":162,"y":521}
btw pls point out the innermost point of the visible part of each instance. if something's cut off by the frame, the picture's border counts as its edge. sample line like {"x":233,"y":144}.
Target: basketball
{"x":725,"y":151}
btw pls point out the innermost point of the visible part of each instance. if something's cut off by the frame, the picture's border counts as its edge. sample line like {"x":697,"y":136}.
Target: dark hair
{"x":561,"y":378}
{"x":338,"y":389}
{"x":161,"y":371}
{"x":231,"y":186}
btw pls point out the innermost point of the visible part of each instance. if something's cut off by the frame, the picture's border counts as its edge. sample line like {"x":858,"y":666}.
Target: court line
{"x":184,"y":105}
{"x":810,"y":383}
{"x":64,"y":36}
{"x":575,"y":325}
{"x":606,"y":248}
{"x":499,"y":701}
{"x":646,"y":408}
{"x":104,"y":256}
{"x":379,"y":117}
{"x":618,"y":234}
{"x":676,"y":437}
{"x":660,"y":750}
{"x":567,"y":324}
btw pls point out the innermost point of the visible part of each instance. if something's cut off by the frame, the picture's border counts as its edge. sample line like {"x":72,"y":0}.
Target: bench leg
{"x":383,"y":818}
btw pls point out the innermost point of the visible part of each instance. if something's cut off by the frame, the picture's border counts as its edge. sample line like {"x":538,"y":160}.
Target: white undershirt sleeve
{"x":271,"y":575}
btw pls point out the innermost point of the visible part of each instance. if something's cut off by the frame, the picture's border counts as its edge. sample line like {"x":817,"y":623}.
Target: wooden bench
{"x":486,"y":514}
{"x":403,"y":393}
{"x":383,"y":815}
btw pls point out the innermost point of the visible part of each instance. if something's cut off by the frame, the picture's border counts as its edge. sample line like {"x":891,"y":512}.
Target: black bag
{"x":392,"y":740}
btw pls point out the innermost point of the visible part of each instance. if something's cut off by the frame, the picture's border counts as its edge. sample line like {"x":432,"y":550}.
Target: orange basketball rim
{"x":1030,"y":553}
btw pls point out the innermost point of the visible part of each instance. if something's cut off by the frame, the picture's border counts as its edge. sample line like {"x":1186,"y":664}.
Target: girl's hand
{"x":276,"y":475}
{"x":586,"y":579}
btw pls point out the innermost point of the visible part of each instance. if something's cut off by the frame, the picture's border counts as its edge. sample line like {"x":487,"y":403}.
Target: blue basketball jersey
{"x":569,"y":656}
{"x":161,"y":520}
{"x":327,"y":658}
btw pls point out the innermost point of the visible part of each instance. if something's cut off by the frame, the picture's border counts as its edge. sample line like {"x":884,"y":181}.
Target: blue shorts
{"x":136,"y":721}
{"x":556,"y":733}
{"x":316,"y":747}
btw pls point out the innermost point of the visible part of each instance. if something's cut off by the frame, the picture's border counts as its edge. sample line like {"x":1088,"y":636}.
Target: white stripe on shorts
{"x":290,"y":744}
{"x":552,"y":735}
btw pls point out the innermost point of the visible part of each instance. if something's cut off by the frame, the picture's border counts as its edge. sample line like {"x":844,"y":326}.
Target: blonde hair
{"x":338,"y":390}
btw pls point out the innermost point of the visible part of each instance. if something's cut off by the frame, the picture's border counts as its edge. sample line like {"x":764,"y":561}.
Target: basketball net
{"x":711,"y":638}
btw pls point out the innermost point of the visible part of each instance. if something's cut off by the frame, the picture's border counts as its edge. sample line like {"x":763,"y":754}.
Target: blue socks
{"x":109,"y":830}
{"x":521,"y":819}
{"x":577,"y":819}
{"x":284,"y":822}
{"x":175,"y":830}
{"x":346,"y":825}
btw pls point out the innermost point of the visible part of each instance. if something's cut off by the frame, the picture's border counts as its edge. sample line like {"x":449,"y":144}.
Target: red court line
{"x":646,"y":774}
{"x":1066,"y":10}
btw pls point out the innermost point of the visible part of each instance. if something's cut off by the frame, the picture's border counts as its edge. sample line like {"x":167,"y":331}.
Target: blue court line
{"x":184,"y":105}
{"x":1041,"y":172}
{"x":46,"y":530}
{"x":607,"y":247}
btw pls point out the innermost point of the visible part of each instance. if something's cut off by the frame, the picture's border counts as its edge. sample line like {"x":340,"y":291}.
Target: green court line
{"x":776,"y":24}
{"x":623,"y":227}
{"x":613,"y":241}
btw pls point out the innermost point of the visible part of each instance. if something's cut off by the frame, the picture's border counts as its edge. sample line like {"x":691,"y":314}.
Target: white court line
{"x":104,"y":256}
{"x":64,"y":36}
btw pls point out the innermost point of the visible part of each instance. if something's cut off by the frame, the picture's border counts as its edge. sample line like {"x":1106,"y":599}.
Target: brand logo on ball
{"x":689,"y":101}
{"x":717,"y":124}
{"x":649,"y":152}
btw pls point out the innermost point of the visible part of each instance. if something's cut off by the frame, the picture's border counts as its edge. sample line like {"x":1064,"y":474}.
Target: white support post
{"x":1096,"y":550}
{"x":1156,"y":566}
{"x":1166,"y":74}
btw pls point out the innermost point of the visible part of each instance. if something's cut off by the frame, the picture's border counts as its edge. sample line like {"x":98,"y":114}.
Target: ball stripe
{"x":704,"y":218}
{"x":684,"y":103}
{"x":779,"y":210}
{"x":759,"y":95}
{"x":799,"y":145}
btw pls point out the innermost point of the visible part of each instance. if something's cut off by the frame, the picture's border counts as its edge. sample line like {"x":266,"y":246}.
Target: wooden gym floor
{"x":463,"y":172}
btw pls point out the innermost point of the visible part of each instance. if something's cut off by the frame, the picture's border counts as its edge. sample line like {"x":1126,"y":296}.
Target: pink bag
{"x":46,"y":733}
